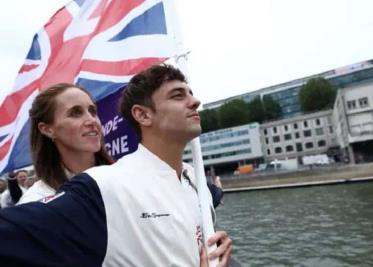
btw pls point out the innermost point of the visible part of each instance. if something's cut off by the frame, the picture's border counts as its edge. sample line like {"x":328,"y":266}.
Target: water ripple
{"x":315,"y":226}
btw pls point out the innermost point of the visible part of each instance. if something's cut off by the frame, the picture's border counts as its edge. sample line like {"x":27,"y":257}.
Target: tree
{"x":209,"y":120}
{"x":316,"y":94}
{"x":271,"y":108}
{"x":233,"y":113}
{"x":256,"y":110}
{"x":263,"y":109}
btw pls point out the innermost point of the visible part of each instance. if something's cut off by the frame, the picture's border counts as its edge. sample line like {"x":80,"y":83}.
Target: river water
{"x":310,"y":226}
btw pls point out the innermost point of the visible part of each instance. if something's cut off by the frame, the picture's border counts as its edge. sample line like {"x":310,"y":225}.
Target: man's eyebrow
{"x":181,"y":89}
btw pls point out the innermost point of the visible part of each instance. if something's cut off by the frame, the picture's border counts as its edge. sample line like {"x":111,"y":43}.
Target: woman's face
{"x":76,"y":127}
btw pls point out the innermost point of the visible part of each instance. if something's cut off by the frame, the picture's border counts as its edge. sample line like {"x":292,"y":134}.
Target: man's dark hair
{"x":19,"y":171}
{"x":141,"y":88}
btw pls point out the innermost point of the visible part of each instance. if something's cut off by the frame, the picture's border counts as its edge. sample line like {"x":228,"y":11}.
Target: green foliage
{"x":256,"y":110}
{"x":271,"y":108}
{"x":237,"y":112}
{"x":233,"y":113}
{"x":209,"y":120}
{"x":317,"y":94}
{"x":261,"y":110}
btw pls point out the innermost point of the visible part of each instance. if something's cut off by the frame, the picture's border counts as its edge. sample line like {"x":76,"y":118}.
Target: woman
{"x":66,"y":138}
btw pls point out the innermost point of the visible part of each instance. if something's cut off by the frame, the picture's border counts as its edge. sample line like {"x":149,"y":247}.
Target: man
{"x":16,"y":188}
{"x":141,"y":211}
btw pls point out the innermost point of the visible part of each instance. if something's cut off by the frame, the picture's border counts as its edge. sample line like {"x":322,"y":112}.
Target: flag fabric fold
{"x":99,"y":44}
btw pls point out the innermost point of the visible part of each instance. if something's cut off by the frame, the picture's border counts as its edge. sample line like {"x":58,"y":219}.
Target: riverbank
{"x":305,"y":177}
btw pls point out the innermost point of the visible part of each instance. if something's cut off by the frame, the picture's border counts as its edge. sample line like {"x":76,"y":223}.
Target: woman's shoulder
{"x":36,"y":192}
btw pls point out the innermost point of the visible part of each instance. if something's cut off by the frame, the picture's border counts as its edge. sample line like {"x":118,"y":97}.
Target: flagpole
{"x":203,"y":192}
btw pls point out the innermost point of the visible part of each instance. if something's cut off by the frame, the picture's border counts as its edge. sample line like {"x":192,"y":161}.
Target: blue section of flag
{"x":142,"y":26}
{"x":99,"y":89}
{"x":34,"y":52}
{"x":79,"y":2}
{"x":20,"y":155}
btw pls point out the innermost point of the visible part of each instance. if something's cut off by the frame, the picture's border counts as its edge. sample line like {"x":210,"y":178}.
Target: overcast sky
{"x":237,"y":46}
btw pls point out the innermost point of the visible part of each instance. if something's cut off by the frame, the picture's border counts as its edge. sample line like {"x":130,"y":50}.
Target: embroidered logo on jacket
{"x":51,"y":198}
{"x":146,"y":215}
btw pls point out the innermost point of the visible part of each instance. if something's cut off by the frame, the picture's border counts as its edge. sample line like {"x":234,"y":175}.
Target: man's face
{"x":176,"y":114}
{"x":21,"y":178}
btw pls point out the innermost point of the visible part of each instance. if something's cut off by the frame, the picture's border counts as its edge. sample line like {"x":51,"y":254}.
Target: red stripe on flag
{"x":119,"y":68}
{"x":62,"y":61}
{"x":26,"y":68}
{"x":115,"y":12}
{"x":99,"y":9}
{"x":63,"y":64}
{"x":13,"y":103}
{"x":5,"y":148}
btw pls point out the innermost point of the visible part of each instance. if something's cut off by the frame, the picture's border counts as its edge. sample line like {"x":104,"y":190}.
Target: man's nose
{"x":194,"y":102}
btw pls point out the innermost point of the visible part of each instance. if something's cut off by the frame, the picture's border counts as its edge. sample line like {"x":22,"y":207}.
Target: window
{"x":276,"y":139}
{"x":319,"y":131}
{"x":329,"y":119}
{"x":278,"y":150}
{"x":289,"y":148}
{"x":331,"y":130}
{"x":305,"y":124}
{"x":268,"y":152}
{"x":286,"y":128}
{"x":287,"y":136}
{"x":267,"y":141}
{"x":318,"y":122}
{"x":265,"y":131}
{"x":295,"y":125}
{"x":309,"y":145}
{"x":299,"y":147}
{"x":275,"y":129}
{"x":307,"y":133}
{"x":321,"y":143}
{"x":297,"y":135}
{"x":363,"y":102}
{"x":351,"y":104}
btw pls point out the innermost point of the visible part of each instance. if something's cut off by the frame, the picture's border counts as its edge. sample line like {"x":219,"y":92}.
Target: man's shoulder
{"x":121,"y":168}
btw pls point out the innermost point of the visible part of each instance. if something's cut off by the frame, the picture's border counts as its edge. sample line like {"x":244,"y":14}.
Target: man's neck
{"x":169,"y":152}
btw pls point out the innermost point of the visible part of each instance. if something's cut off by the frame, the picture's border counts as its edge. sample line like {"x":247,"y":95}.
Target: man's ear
{"x":142,"y":115}
{"x":46,"y":130}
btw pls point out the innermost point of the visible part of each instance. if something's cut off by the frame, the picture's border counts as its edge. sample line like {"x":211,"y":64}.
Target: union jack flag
{"x":99,"y":44}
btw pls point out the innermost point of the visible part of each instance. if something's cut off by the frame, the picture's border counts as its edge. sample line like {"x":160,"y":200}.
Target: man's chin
{"x":195,"y":132}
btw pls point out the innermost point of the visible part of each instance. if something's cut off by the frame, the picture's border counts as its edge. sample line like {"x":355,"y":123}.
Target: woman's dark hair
{"x":46,"y":158}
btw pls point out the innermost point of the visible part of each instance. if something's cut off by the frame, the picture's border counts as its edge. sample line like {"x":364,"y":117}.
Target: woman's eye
{"x":93,"y":111}
{"x":75,"y":112}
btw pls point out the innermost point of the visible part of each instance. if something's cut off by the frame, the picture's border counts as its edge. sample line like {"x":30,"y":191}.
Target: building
{"x":353,"y":116}
{"x":298,"y":136}
{"x":286,"y":94}
{"x":224,"y":150}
